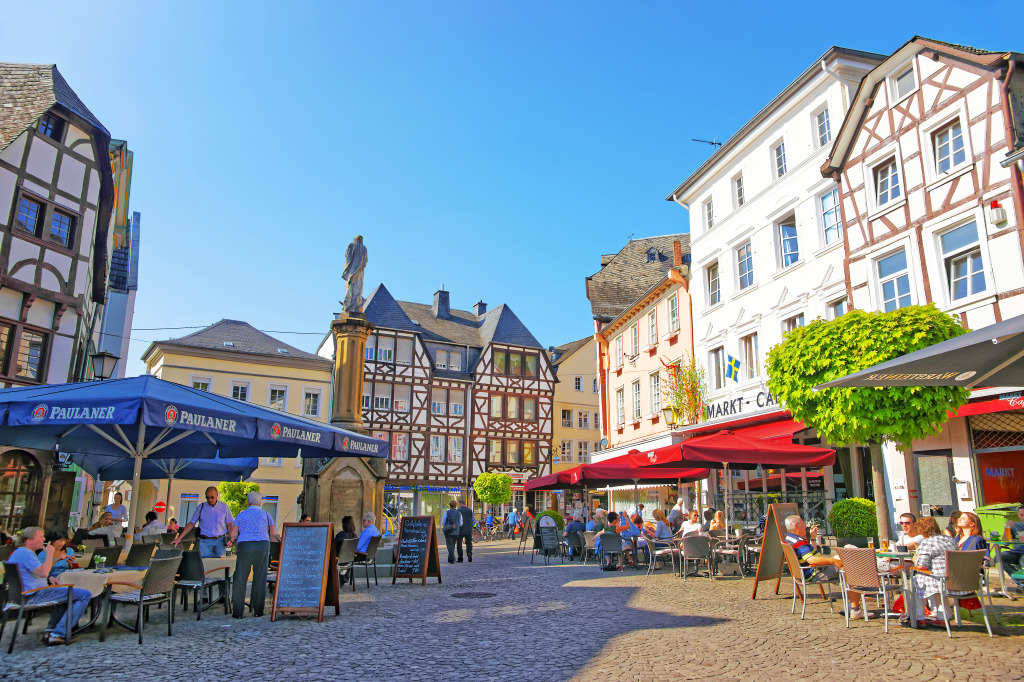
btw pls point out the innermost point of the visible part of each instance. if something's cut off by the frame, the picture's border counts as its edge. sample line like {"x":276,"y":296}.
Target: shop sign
{"x":744,"y":404}
{"x":423,"y":488}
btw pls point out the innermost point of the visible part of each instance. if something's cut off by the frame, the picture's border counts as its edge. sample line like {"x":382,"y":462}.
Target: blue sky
{"x":496,"y":148}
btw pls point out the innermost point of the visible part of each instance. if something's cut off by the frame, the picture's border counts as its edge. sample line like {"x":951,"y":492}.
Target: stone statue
{"x":355,"y":263}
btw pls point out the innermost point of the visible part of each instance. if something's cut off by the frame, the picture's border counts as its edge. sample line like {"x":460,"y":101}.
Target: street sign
{"x":159,"y":507}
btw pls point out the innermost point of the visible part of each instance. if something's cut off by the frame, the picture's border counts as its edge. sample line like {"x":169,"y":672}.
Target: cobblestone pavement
{"x":553,"y":622}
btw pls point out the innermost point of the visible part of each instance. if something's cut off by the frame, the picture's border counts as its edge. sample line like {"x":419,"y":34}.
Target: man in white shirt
{"x":152,"y":527}
{"x":678,"y":513}
{"x":908,"y":535}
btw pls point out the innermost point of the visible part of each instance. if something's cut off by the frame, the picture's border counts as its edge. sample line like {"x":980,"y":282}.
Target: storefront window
{"x":20,"y":481}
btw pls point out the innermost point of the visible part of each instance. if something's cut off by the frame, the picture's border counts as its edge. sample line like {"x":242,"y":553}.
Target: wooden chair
{"x":370,"y":560}
{"x":16,"y":598}
{"x":800,"y":582}
{"x":859,"y":574}
{"x":140,"y":555}
{"x":193,"y":577}
{"x":963,"y":579}
{"x":157,"y":588}
{"x":346,"y":556}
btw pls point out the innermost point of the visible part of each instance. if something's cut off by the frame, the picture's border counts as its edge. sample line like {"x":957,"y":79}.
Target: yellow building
{"x":234,"y":359}
{"x":576,"y":431}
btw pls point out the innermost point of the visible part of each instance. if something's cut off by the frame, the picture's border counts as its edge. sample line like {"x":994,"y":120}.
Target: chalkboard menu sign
{"x":769,"y":565}
{"x":416,"y":552}
{"x":307,"y":572}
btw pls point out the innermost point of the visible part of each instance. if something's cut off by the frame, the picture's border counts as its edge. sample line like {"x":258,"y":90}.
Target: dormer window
{"x":652,"y":255}
{"x":52,"y":126}
{"x":283,"y":351}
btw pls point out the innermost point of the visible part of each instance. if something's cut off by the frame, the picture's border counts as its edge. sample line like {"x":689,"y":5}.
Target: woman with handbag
{"x":450,"y":523}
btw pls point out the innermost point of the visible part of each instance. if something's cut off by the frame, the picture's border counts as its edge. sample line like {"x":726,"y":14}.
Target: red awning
{"x":774,"y":431}
{"x":988,"y":406}
{"x":555,"y":481}
{"x":621,"y":471}
{"x":726,"y":447}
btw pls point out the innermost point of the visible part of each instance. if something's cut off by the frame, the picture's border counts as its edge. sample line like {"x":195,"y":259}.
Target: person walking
{"x":450,"y":522}
{"x":466,"y":532}
{"x":253,"y":530}
{"x":215,"y":522}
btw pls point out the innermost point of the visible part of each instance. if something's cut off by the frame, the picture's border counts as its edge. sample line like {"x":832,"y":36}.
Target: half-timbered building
{"x":456,"y":393}
{"x":932,"y":216}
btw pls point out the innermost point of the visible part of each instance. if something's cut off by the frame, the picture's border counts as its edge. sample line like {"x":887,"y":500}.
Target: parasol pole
{"x":136,"y":475}
{"x":728,"y":484}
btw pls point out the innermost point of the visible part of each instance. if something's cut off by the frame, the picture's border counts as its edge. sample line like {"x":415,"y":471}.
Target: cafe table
{"x":906,"y":581}
{"x":1002,"y":591}
{"x":88,"y":579}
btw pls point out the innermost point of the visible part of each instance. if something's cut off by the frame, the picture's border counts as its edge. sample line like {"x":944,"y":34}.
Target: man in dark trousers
{"x":466,"y":531}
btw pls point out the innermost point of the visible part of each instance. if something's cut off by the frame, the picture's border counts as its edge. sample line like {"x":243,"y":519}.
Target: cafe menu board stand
{"x":769,"y":565}
{"x":416,"y":551}
{"x":307,"y":571}
{"x":549,"y":540}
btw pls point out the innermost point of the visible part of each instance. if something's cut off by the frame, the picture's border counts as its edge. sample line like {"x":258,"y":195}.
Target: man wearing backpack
{"x":466,"y":531}
{"x":450,"y":523}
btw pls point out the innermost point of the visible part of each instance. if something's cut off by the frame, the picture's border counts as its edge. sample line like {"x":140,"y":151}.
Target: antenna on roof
{"x":713,"y":143}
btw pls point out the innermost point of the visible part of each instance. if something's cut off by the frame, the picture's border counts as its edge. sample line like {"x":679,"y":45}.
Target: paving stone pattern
{"x":544,"y":622}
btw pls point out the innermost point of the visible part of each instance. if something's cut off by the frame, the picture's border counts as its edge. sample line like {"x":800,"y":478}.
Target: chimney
{"x":442,"y":310}
{"x":677,"y":253}
{"x":479,"y":308}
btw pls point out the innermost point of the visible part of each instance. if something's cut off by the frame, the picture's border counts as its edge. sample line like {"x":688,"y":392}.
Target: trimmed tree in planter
{"x":493,"y":488}
{"x":853,"y":518}
{"x":824,"y":351}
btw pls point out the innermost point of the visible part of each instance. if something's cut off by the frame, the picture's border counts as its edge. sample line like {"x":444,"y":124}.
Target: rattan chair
{"x":157,"y":587}
{"x":370,"y":560}
{"x":800,"y":581}
{"x":963,"y":579}
{"x":659,"y":549}
{"x":574,"y":543}
{"x":346,"y":556}
{"x":140,"y":555}
{"x":860,"y":574}
{"x":752,"y":548}
{"x":589,"y":549}
{"x":110,"y":554}
{"x":611,"y":545}
{"x":730,"y":550}
{"x":92,"y":544}
{"x":193,"y":577}
{"x":167,"y":553}
{"x":695,"y":548}
{"x":15,"y":598}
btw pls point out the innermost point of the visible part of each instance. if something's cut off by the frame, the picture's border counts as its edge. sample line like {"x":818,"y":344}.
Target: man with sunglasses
{"x":908,"y":534}
{"x":215,"y":522}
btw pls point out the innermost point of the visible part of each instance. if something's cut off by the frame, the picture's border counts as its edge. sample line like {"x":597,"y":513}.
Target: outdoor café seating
{"x":660,"y":549}
{"x":964,"y":576}
{"x":573,"y":544}
{"x":15,"y":598}
{"x":108,"y":554}
{"x":370,"y":560}
{"x":140,"y":555}
{"x":157,"y":587}
{"x":589,"y":548}
{"x":859,"y":574}
{"x":696,"y":549}
{"x":346,"y":557}
{"x":193,"y":577}
{"x":611,"y":546}
{"x":800,"y":584}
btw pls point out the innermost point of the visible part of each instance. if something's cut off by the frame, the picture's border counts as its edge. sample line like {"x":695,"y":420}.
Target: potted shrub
{"x":853,"y":521}
{"x":559,"y":521}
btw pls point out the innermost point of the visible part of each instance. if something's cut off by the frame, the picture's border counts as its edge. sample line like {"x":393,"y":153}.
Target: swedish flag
{"x":732,"y":368}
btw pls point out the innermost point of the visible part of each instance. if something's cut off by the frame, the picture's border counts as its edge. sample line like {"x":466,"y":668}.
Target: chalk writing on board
{"x":412,"y":552}
{"x":301,"y":570}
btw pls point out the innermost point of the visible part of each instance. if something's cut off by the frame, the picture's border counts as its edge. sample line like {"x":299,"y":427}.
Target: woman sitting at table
{"x":253,"y":529}
{"x":172,"y":526}
{"x":106,"y":527}
{"x":663,"y":531}
{"x":691,"y":526}
{"x":718,"y":523}
{"x":970,"y":537}
{"x":63,"y":554}
{"x":952,"y":529}
{"x":931,"y":556}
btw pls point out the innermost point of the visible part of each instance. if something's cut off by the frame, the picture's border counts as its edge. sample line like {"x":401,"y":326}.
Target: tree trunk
{"x":881,"y":494}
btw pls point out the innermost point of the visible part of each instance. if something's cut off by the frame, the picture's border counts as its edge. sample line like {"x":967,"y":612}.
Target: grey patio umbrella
{"x":986,"y":357}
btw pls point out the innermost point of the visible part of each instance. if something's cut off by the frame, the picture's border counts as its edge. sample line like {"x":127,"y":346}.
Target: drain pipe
{"x":1015,"y":174}
{"x":839,"y":79}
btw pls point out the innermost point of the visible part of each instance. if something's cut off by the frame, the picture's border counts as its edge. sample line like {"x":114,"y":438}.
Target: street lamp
{"x":670,"y":415}
{"x":103,"y":365}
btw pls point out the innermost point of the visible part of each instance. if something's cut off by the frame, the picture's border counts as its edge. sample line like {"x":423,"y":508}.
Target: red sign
{"x":159,"y":507}
{"x":1002,"y":476}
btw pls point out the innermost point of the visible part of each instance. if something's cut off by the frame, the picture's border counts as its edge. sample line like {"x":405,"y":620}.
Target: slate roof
{"x":628,"y":275}
{"x":463,"y":328}
{"x":245,"y":340}
{"x":563,"y":352}
{"x":27,"y":91}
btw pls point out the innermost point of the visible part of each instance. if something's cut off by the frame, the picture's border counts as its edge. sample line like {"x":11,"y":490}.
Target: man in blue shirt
{"x":574,"y":526}
{"x":33,"y":575}
{"x":369,"y":532}
{"x":215,"y":522}
{"x":513,"y":521}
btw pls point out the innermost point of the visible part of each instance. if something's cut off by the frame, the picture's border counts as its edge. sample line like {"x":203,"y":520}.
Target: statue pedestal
{"x":350,"y":332}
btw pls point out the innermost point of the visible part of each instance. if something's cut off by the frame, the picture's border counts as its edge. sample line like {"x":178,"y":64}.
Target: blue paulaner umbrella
{"x":148,"y":418}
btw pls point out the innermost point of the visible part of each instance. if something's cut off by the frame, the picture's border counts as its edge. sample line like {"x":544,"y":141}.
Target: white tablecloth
{"x":95,"y":582}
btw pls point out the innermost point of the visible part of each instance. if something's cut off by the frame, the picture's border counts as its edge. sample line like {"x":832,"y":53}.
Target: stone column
{"x":350,"y":331}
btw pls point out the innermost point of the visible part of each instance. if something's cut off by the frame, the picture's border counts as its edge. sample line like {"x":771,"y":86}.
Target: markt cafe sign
{"x":746,"y":404}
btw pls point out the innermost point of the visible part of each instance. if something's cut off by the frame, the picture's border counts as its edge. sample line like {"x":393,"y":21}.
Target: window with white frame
{"x":714,"y":285}
{"x":652,"y":329}
{"x":566,"y":451}
{"x":583,"y":419}
{"x":837,"y":308}
{"x":737,"y":191}
{"x":903,"y":83}
{"x":584,"y":451}
{"x":440,"y":359}
{"x":887,"y":182}
{"x":831,"y":220}
{"x":709,"y":214}
{"x":401,"y":397}
{"x":400,"y":446}
{"x":634,"y":340}
{"x":635,"y":391}
{"x":403,"y":352}
{"x":961,"y":254}
{"x":822,"y":127}
{"x":497,"y":411}
{"x":745,"y":265}
{"x":240,"y":390}
{"x":597,"y":420}
{"x":673,"y":313}
{"x":371,"y":347}
{"x":567,"y":419}
{"x":577,"y":383}
{"x":455,"y":449}
{"x":791,"y":323}
{"x":311,"y":402}
{"x":779,"y":158}
{"x":456,"y":403}
{"x":381,"y":396}
{"x":436,"y":448}
{"x":367,"y":394}
{"x":278,"y":398}
{"x":789,"y":245}
{"x":620,"y":408}
{"x":751,"y":366}
{"x":202,"y":383}
{"x":617,"y":351}
{"x":949,"y":147}
{"x":438,"y":401}
{"x":386,"y":349}
{"x":655,"y":390}
{"x":716,"y":368}
{"x":894,"y":281}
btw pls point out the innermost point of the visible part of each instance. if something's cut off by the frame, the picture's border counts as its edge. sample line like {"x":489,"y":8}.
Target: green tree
{"x":824,"y":351}
{"x":686,"y":389}
{"x":493,"y":488}
{"x":233,"y":494}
